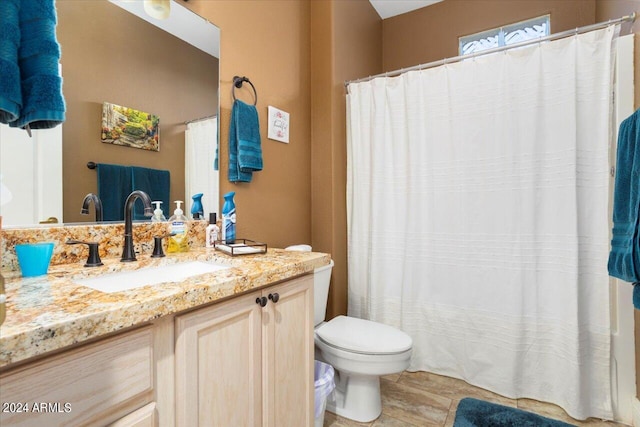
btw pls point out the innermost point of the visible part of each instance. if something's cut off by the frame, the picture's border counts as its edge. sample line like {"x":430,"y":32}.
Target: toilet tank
{"x":321,"y":280}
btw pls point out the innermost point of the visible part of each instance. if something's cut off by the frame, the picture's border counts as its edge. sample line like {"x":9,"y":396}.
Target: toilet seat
{"x":363,"y":336}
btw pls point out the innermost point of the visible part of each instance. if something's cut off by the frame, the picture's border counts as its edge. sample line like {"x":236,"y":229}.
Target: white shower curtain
{"x":201,"y":140}
{"x":477,"y":197}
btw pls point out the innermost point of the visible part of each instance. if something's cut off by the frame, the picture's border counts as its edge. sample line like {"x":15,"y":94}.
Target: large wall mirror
{"x":109,"y":54}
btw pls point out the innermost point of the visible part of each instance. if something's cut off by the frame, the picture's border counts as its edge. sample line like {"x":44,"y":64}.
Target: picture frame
{"x":129,"y":127}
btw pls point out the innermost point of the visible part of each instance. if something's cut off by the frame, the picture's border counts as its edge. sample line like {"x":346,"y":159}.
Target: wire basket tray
{"x":240,"y":247}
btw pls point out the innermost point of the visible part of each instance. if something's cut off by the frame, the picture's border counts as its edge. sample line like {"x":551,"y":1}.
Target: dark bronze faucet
{"x":96,"y":203}
{"x":128,"y":254}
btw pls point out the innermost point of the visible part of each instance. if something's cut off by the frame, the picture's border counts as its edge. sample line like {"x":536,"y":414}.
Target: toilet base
{"x":356,"y":397}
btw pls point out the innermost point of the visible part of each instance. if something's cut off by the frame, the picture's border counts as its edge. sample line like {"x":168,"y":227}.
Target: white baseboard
{"x":636,"y":412}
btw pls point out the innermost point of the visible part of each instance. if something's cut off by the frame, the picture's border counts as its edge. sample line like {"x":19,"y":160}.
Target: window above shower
{"x":505,"y":35}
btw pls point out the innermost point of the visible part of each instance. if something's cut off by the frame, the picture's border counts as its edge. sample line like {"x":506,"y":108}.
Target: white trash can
{"x":324,"y":384}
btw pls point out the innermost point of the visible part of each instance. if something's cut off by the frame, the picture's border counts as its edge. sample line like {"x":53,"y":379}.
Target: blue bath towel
{"x":624,"y":259}
{"x":10,"y":93}
{"x":156,"y":183}
{"x":245,"y":152}
{"x":43,"y":105}
{"x":114,"y":186}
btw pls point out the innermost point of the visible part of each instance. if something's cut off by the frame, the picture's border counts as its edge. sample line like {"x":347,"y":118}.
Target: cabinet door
{"x":218,"y":365}
{"x":288,"y":363}
{"x":143,"y":417}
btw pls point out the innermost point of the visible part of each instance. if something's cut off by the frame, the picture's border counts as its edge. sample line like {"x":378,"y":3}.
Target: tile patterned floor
{"x":424,"y":399}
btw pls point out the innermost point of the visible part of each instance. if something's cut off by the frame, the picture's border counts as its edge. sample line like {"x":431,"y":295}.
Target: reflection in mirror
{"x":111,"y":55}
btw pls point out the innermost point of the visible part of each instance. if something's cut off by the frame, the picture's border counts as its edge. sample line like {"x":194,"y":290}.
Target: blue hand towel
{"x":245,"y":153}
{"x":624,"y":259}
{"x":155,"y":183}
{"x":10,"y":92}
{"x":114,"y":186}
{"x":248,"y":130}
{"x":43,"y":105}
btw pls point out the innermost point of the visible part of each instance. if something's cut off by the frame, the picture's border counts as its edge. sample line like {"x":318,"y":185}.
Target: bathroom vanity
{"x":230,"y":347}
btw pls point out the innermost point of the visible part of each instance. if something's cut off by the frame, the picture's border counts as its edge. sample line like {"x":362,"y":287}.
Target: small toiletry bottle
{"x":158,"y":215}
{"x":178,"y":241}
{"x":197,"y":211}
{"x":213,"y":231}
{"x":229,"y":218}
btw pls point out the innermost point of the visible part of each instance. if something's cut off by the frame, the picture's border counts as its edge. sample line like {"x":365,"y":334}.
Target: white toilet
{"x":360,"y":351}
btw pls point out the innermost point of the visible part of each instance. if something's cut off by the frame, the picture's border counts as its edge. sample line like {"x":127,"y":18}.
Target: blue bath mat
{"x":478,"y":413}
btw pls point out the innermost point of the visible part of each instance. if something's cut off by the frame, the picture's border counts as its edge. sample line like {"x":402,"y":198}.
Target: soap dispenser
{"x":178,"y":241}
{"x":158,"y":215}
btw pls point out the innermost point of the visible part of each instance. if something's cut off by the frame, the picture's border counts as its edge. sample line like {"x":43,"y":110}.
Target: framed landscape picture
{"x":129,"y":127}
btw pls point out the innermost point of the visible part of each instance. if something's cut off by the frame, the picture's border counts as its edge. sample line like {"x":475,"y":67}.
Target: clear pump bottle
{"x":158,"y":215}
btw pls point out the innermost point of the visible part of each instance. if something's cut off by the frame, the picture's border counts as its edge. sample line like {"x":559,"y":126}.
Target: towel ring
{"x":237,"y":83}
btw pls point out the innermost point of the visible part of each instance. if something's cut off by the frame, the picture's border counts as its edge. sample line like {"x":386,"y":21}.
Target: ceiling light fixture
{"x":158,"y":9}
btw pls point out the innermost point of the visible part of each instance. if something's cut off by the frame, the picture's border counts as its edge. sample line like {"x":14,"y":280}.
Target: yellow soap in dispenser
{"x":178,"y":241}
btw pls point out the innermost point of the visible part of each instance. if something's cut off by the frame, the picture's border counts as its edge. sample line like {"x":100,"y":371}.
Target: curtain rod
{"x":201,"y":118}
{"x":444,"y":61}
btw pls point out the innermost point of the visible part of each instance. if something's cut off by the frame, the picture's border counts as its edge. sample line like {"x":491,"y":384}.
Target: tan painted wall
{"x":110,"y":55}
{"x":345,"y":44}
{"x":268,"y":41}
{"x":612,"y":9}
{"x":432,"y":33}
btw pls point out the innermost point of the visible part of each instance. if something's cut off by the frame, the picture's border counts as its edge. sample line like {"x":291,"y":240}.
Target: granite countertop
{"x":51,"y":312}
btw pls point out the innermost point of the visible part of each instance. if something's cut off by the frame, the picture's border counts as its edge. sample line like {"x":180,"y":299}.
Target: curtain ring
{"x":237,"y":83}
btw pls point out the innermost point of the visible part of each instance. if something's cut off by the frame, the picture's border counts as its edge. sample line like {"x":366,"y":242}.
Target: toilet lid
{"x":363,"y":336}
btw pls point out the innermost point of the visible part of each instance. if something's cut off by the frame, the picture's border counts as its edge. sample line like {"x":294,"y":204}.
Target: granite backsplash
{"x":109,"y":236}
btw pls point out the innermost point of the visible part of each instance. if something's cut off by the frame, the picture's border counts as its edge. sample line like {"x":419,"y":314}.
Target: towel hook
{"x":237,"y":83}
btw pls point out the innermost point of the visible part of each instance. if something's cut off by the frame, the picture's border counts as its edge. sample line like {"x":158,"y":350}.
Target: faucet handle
{"x":94,"y":256}
{"x":157,"y":245}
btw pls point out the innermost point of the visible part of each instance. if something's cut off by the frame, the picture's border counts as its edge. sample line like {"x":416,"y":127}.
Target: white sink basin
{"x":122,"y":281}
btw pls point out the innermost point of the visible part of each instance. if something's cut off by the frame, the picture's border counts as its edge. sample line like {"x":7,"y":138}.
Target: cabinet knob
{"x":274,"y":297}
{"x":261,"y":301}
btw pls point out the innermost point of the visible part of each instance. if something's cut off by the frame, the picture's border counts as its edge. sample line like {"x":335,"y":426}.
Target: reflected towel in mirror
{"x":156,"y":184}
{"x":114,"y":185}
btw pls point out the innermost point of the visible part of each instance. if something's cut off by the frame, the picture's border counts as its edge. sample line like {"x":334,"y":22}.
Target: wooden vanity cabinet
{"x":239,"y":363}
{"x":95,"y":384}
{"x":233,"y":363}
